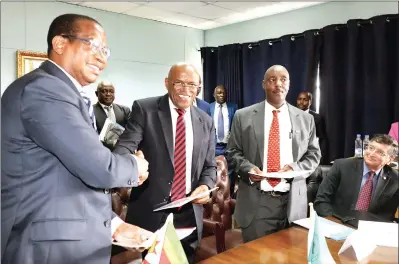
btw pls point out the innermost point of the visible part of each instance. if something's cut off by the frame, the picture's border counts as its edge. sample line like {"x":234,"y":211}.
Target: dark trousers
{"x":183,"y":218}
{"x":271,"y":217}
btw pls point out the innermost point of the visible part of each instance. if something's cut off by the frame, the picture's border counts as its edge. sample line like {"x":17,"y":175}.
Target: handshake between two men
{"x":131,"y":234}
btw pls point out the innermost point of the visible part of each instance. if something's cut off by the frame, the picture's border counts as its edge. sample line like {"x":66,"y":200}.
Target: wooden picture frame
{"x":27,"y":61}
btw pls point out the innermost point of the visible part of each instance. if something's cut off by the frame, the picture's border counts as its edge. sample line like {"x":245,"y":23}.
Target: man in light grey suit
{"x":270,"y":136}
{"x":55,"y":174}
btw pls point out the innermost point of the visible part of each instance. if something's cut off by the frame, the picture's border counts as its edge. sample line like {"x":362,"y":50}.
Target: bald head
{"x":183,"y":83}
{"x":276,"y":83}
{"x":105,"y":93}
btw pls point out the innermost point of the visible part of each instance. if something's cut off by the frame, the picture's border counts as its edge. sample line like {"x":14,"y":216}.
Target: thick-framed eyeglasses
{"x":275,"y":79}
{"x":180,"y":85}
{"x":381,"y":153}
{"x":94,"y":44}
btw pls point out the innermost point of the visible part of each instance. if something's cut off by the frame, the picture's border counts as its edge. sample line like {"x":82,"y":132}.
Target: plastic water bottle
{"x":358,"y":146}
{"x":366,"y":142}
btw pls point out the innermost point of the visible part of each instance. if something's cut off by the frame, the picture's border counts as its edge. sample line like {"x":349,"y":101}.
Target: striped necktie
{"x":89,"y":108}
{"x":179,"y":180}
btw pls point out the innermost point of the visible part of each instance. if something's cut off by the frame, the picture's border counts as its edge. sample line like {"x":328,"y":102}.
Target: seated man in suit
{"x":303,"y":102}
{"x":105,"y":106}
{"x":222,"y":114}
{"x":201,"y":104}
{"x":362,"y":184}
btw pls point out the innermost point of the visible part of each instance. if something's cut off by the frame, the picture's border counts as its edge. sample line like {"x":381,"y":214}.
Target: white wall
{"x":141,"y":50}
{"x":297,"y":21}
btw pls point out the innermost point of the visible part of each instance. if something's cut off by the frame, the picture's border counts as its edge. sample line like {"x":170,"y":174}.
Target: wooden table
{"x":287,"y":246}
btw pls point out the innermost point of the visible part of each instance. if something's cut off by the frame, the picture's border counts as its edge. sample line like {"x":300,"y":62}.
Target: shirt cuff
{"x":115,"y":223}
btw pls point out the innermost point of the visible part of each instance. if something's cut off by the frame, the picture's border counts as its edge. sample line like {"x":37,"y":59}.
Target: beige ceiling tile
{"x":176,"y":7}
{"x":118,"y":7}
{"x":209,"y":12}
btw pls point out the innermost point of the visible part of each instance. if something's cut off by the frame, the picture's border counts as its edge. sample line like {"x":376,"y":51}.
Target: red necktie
{"x":273,"y":149}
{"x":364,"y":199}
{"x":179,"y":180}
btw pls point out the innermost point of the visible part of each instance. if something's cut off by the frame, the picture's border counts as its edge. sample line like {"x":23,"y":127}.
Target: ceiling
{"x":196,"y":14}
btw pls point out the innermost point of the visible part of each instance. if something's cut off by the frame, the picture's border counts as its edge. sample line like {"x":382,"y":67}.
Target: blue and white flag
{"x":318,"y":252}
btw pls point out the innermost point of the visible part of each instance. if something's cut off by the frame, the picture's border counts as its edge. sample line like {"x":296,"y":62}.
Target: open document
{"x":185,"y":200}
{"x":111,"y":132}
{"x":286,"y":174}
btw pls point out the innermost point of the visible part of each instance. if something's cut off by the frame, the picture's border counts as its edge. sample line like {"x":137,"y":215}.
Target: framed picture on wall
{"x":27,"y":61}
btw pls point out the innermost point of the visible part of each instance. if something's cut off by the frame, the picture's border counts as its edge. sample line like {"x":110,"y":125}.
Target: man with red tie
{"x":270,"y":136}
{"x":177,"y":140}
{"x":362,"y":184}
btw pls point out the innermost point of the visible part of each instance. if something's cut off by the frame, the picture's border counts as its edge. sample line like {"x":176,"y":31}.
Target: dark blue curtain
{"x":223,"y":66}
{"x":359,"y":86}
{"x":298,"y":53}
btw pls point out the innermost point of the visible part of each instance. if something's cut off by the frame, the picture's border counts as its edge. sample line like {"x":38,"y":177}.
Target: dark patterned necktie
{"x":364,"y":199}
{"x":220,"y":124}
{"x":89,"y":108}
{"x":179,"y":180}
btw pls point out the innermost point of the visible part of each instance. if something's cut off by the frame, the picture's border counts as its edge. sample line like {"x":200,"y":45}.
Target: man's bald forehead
{"x":182,"y":67}
{"x":275,"y":68}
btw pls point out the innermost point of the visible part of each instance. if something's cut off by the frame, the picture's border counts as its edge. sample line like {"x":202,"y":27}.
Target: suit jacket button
{"x":107,"y":223}
{"x":106,"y":191}
{"x":166,"y":199}
{"x":170,"y":182}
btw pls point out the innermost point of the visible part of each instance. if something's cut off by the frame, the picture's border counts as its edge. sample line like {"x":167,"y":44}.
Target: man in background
{"x":105,"y":107}
{"x":303,"y":102}
{"x":222,"y":114}
{"x":362,"y":184}
{"x":55,"y":174}
{"x":271,"y":136}
{"x":177,"y":139}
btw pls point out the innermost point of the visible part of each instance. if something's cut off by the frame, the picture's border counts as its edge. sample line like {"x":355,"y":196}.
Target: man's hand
{"x":204,"y":199}
{"x":286,"y":168}
{"x":131,"y":234}
{"x":142,"y":165}
{"x":255,"y":178}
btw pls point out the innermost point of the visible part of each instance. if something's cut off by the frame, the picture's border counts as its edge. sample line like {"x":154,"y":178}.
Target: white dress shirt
{"x":116,"y":221}
{"x":286,"y":157}
{"x":225,"y":113}
{"x":189,"y":139}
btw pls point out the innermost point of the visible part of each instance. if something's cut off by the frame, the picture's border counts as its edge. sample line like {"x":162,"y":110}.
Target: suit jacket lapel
{"x":166,"y":124}
{"x":258,"y":121}
{"x":198,"y":135}
{"x":119,"y":115}
{"x":296,"y":126}
{"x":99,"y":113}
{"x":381,"y":185}
{"x":212,"y":109}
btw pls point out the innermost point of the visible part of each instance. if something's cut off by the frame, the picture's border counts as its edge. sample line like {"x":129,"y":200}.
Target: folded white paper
{"x":359,"y":244}
{"x":328,"y":228}
{"x":382,"y":234}
{"x":286,"y":174}
{"x":185,"y":200}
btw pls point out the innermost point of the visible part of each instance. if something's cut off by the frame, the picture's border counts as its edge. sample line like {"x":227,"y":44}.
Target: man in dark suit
{"x":55,"y":174}
{"x":359,"y":184}
{"x":222,"y":114}
{"x":178,"y":142}
{"x":105,"y":107}
{"x":304,"y":101}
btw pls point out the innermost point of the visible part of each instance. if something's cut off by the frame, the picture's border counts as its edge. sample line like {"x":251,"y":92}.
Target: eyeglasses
{"x":274,"y":79}
{"x":95,"y":45}
{"x":180,"y":85}
{"x":379,"y":152}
